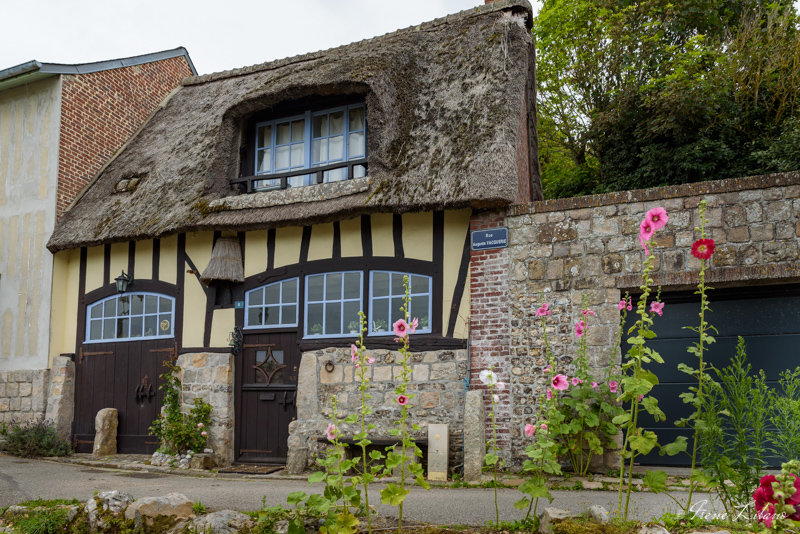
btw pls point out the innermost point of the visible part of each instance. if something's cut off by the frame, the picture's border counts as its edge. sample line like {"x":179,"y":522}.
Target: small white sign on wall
{"x":438,"y":448}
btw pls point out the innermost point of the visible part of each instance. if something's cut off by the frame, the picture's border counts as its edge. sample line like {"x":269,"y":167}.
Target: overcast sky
{"x":219,"y":35}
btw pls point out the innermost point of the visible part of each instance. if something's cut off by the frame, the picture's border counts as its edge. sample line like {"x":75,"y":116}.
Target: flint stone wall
{"x":438,"y":386}
{"x":588,"y":246}
{"x":209,"y":376}
{"x":23,"y":394}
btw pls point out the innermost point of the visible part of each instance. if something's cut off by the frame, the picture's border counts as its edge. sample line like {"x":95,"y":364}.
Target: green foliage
{"x":47,"y":521}
{"x":199,"y":509}
{"x":785,"y":415}
{"x":652,"y":92}
{"x":682,"y":522}
{"x":179,"y":432}
{"x":36,"y":438}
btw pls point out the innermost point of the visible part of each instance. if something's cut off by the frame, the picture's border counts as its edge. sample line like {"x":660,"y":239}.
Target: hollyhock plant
{"x":413,"y":325}
{"x":543,"y":426}
{"x":657,"y":218}
{"x":559,"y":382}
{"x":622,"y":304}
{"x":529,"y":430}
{"x":612,"y":386}
{"x":580,"y":328}
{"x":204,"y":433}
{"x":330,"y":432}
{"x":702,"y":249}
{"x":594,"y":385}
{"x":768,"y":503}
{"x":370,"y":360}
{"x":353,"y":353}
{"x":488,"y":377}
{"x":576,"y":381}
{"x":547,"y":369}
{"x":657,"y":307}
{"x":402,"y":400}
{"x":500,"y":386}
{"x":630,"y":305}
{"x":400,"y":328}
{"x":587,"y":313}
{"x":549,"y":394}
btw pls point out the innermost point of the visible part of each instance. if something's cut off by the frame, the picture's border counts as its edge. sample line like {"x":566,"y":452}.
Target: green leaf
{"x":297,"y":526}
{"x":671,"y":449}
{"x":318,"y":503}
{"x":317,"y":476}
{"x":522,"y":504}
{"x":621,"y":418}
{"x":350,"y":419}
{"x":643,"y":444}
{"x":655,"y":480}
{"x":295,"y":497}
{"x":490,"y":459}
{"x":393,"y":495}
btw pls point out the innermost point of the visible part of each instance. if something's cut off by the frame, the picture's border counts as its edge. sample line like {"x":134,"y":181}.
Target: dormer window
{"x":331,"y":140}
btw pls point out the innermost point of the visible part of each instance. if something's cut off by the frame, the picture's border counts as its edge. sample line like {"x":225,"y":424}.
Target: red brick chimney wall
{"x":100,"y":111}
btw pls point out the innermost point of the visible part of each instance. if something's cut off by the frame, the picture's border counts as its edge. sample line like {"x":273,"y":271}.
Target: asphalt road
{"x":22,"y":480}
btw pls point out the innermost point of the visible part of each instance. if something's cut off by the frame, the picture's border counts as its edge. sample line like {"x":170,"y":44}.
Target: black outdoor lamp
{"x":124,"y":281}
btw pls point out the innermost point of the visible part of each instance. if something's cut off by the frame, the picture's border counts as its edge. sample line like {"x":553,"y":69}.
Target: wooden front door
{"x":266,"y":393}
{"x":125,"y":376}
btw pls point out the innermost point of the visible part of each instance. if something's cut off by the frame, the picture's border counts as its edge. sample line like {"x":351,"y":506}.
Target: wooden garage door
{"x":767,"y":317}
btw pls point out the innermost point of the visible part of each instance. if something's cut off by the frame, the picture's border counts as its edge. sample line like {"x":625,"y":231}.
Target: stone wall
{"x":61,"y":394}
{"x":568,"y":249}
{"x":23,"y":394}
{"x":438,"y":386}
{"x":209,"y":376}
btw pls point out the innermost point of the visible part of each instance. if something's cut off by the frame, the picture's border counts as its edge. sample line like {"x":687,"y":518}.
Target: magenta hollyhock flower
{"x":529,"y":430}
{"x":657,"y":218}
{"x":586,"y":313}
{"x":641,"y":397}
{"x":370,"y":360}
{"x":657,"y":307}
{"x":702,"y":249}
{"x":353,"y":353}
{"x":400,"y":328}
{"x":580,"y":328}
{"x":331,"y":431}
{"x":594,"y":385}
{"x":559,"y":382}
{"x":622,"y":304}
{"x":543,"y":426}
{"x":549,"y":394}
{"x":630,"y":304}
{"x":576,"y":381}
{"x":402,"y":400}
{"x":544,"y":310}
{"x":612,"y":385}
{"x":765,"y":500}
{"x":646,"y":230}
{"x":547,"y":369}
{"x":643,"y":242}
{"x":412,"y":328}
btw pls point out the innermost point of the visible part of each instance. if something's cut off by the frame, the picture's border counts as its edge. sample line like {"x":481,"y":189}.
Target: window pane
{"x":380,"y":284}
{"x":282,"y":157}
{"x":264,"y":163}
{"x":298,"y":130}
{"x":278,"y":355}
{"x":336,"y":175}
{"x":419,"y":284}
{"x":267,"y":185}
{"x":272,"y":294}
{"x":96,"y":311}
{"x":122,"y":328}
{"x":261,"y":355}
{"x":336,"y":147}
{"x":380,"y":314}
{"x":397,"y":284}
{"x":150,"y":304}
{"x":397,"y":314}
{"x":137,"y":304}
{"x":333,"y":318}
{"x":359,"y":171}
{"x":356,"y":119}
{"x":123,"y":306}
{"x":351,"y":310}
{"x":150,"y":325}
{"x":164,"y":305}
{"x":356,"y":148}
{"x":289,"y":314}
{"x":289,"y":291}
{"x":337,"y":123}
{"x":256,"y":297}
{"x":299,"y":181}
{"x":95,"y":329}
{"x":273,"y":314}
{"x":108,"y":328}
{"x":352,"y":285}
{"x":315,"y":284}
{"x":320,"y":126}
{"x":419,"y":308}
{"x":136,"y":326}
{"x":298,"y":152}
{"x":333,"y":287}
{"x":314,"y":323}
{"x":320,"y":150}
{"x":164,"y":325}
{"x":254,"y":317}
{"x":282,"y":133}
{"x":110,"y":308}
{"x":265,"y":136}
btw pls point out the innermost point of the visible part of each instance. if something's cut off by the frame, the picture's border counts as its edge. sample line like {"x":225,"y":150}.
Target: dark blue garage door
{"x":767,"y":317}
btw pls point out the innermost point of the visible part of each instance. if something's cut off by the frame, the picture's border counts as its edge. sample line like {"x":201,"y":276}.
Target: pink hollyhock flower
{"x":204,"y":433}
{"x":529,"y":430}
{"x":496,"y":398}
{"x":576,"y":381}
{"x":657,"y":307}
{"x":594,"y":385}
{"x":358,"y":365}
{"x":543,"y":426}
{"x":630,"y":304}
{"x":549,"y":394}
{"x":702,"y":249}
{"x":643,"y":242}
{"x":370,"y":360}
{"x":412,"y":328}
{"x":588,"y":312}
{"x":646,"y":230}
{"x":612,"y":385}
{"x":547,"y":369}
{"x":331,"y":431}
{"x":765,"y":500}
{"x":199,"y":425}
{"x":641,"y":397}
{"x":353,"y":353}
{"x":657,"y":218}
{"x":402,"y":400}
{"x":580,"y":328}
{"x":544,"y":310}
{"x":622,"y":304}
{"x":400,"y":328}
{"x":559,"y":382}
{"x":500,"y":386}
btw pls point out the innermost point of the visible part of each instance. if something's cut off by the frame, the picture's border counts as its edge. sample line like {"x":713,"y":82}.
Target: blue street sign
{"x":489,"y":239}
{"x":238,"y":304}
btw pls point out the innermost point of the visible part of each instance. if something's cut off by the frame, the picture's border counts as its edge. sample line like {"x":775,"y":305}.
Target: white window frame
{"x":306,"y":302}
{"x":143,"y":337}
{"x":428,"y":293}
{"x":280,"y":305}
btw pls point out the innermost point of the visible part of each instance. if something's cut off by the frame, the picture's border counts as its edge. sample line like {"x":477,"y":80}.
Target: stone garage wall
{"x":438,"y":383}
{"x":588,"y":246}
{"x":23,"y":394}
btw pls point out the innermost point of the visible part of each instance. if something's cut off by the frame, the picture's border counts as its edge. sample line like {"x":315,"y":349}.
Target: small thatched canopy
{"x":226,"y":262}
{"x":449,"y":125}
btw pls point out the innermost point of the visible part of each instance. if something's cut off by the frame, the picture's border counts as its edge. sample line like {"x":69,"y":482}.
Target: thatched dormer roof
{"x":446,"y":112}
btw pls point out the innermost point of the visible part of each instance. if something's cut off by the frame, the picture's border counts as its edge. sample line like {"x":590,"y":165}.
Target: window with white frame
{"x":333,"y":301}
{"x":273,"y":305}
{"x":312,"y":139}
{"x":129,"y":317}
{"x":386,"y":299}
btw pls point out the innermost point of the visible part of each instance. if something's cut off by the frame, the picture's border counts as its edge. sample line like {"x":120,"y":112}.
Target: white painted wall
{"x":30,"y":117}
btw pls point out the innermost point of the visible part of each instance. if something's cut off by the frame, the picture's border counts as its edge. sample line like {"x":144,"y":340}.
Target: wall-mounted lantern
{"x":124,"y":282}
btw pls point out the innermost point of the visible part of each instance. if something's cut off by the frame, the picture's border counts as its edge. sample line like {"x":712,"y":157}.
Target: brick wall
{"x":490,"y":321}
{"x":101,"y":110}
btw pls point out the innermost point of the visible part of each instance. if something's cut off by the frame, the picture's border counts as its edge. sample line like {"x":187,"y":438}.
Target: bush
{"x":36,"y":438}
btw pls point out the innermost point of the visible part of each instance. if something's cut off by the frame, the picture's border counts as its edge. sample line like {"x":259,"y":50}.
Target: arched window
{"x":130,"y":317}
{"x":272,"y":305}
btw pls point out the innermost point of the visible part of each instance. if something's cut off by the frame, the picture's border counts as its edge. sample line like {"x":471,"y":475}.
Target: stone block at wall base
{"x":474,"y":435}
{"x":60,"y":406}
{"x":23,"y":395}
{"x":105,"y":432}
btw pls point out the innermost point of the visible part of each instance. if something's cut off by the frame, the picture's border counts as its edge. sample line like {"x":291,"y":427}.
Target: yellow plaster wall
{"x":350,"y":231}
{"x":287,"y":246}
{"x":321,"y":245}
{"x":418,"y":235}
{"x":456,"y":226}
{"x":461,"y":330}
{"x":63,"y":317}
{"x":221,"y":326}
{"x":94,"y":268}
{"x":168,"y":260}
{"x":255,"y":252}
{"x":382,"y":235}
{"x":198,"y":248}
{"x":119,"y":260}
{"x":143,"y":260}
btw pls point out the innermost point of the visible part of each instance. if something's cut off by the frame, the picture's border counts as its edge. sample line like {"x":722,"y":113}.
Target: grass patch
{"x":48,"y":521}
{"x":45,"y":503}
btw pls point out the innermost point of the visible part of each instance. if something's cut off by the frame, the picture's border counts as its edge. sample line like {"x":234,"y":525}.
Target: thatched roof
{"x":445,"y":101}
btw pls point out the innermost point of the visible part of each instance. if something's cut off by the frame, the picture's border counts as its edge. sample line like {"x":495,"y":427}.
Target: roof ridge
{"x":480,"y":10}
